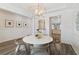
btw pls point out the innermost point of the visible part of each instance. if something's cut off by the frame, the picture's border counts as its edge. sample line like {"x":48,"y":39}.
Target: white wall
{"x":14,"y":32}
{"x":76,"y":32}
{"x":13,"y":7}
{"x":69,"y":34}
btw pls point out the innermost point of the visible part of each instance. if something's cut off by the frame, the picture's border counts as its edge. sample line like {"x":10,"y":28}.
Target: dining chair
{"x":55,"y":48}
{"x":22,"y":48}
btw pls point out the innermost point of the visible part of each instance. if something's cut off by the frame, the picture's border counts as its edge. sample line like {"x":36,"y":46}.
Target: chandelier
{"x":39,"y":11}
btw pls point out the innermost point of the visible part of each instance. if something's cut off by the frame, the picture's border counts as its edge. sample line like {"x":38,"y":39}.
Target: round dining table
{"x":38,"y":42}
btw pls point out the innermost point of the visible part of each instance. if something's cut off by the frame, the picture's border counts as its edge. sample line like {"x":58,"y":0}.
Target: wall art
{"x":19,"y":24}
{"x":9,"y":23}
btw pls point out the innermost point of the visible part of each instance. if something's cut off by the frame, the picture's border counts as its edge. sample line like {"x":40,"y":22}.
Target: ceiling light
{"x":39,"y":10}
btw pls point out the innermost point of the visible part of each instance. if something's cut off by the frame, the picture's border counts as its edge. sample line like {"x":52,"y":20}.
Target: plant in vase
{"x":39,"y":34}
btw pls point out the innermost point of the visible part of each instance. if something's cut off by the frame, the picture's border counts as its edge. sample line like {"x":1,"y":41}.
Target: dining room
{"x":39,"y":28}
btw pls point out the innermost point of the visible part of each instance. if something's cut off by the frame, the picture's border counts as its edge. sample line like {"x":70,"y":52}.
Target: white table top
{"x":33,"y":40}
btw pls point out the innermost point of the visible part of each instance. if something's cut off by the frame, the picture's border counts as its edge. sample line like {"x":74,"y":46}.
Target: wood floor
{"x":8,"y":48}
{"x":62,"y":49}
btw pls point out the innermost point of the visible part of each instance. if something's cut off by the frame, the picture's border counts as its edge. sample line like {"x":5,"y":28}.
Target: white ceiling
{"x":27,"y":9}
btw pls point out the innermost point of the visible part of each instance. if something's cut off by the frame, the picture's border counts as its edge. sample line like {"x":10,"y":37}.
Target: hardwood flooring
{"x":61,"y":49}
{"x":8,"y":48}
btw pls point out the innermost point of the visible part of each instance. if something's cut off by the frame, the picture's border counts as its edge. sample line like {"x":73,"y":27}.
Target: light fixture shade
{"x":39,"y":10}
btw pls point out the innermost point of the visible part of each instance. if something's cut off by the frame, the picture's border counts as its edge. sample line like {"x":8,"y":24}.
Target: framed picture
{"x":9,"y":23}
{"x":24,"y":24}
{"x":19,"y":24}
{"x":77,"y":27}
{"x":77,"y":22}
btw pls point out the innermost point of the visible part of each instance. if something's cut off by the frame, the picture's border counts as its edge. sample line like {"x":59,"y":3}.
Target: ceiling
{"x":27,"y":9}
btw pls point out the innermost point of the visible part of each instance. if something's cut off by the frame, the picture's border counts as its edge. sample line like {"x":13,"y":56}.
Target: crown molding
{"x":61,"y":9}
{"x":12,"y":11}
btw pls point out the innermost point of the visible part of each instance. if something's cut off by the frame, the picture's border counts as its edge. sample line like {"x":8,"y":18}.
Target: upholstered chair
{"x":22,"y":48}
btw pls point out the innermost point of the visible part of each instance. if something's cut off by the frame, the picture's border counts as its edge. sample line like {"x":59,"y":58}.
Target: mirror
{"x":55,"y":22}
{"x":41,"y":24}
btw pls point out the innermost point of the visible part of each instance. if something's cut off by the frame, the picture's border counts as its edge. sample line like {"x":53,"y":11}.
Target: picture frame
{"x":9,"y":23}
{"x":77,"y":22}
{"x":77,"y":27}
{"x":24,"y":24}
{"x":19,"y":24}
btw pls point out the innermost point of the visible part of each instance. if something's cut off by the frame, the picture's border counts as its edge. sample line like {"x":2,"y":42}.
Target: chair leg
{"x":17,"y":49}
{"x":28,"y":50}
{"x":48,"y":48}
{"x":58,"y":48}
